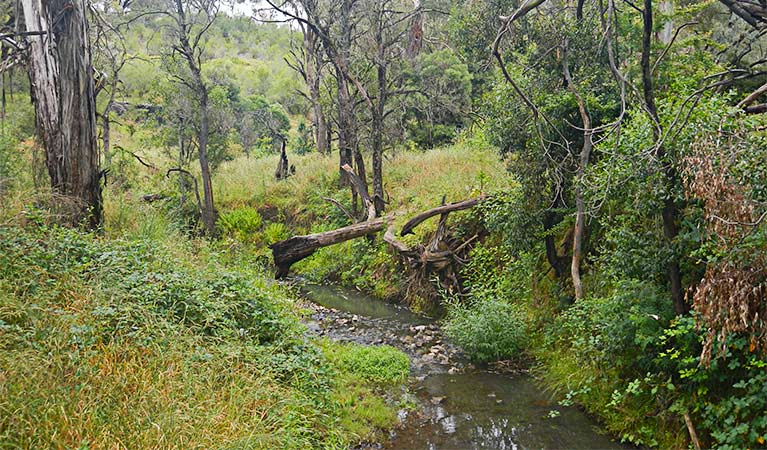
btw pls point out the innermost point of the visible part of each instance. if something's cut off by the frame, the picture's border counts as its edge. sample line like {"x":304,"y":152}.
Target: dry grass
{"x":414,"y":181}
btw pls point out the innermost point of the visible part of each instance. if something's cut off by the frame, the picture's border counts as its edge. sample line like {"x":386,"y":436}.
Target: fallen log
{"x":436,"y":256}
{"x":295,"y":249}
{"x":439,"y":210}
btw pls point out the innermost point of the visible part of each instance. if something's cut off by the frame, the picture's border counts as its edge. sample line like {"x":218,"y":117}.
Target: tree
{"x":61,"y":75}
{"x":333,"y":25}
{"x":191,"y":19}
{"x":307,"y":60}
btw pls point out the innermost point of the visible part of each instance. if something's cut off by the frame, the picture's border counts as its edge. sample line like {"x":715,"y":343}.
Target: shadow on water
{"x":463,"y":409}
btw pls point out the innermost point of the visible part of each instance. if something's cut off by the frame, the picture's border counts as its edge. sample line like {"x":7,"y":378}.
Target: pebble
{"x":437,"y":400}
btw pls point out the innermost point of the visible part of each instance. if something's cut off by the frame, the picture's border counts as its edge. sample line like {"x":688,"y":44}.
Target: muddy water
{"x":462,"y":407}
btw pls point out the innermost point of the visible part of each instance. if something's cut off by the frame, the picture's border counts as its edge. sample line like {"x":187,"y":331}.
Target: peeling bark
{"x":61,"y":75}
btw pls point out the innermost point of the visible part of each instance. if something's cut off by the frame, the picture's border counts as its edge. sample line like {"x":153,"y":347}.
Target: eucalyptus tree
{"x":61,"y":75}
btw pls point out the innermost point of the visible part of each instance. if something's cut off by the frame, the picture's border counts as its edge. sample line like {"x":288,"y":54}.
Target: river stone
{"x":437,"y":400}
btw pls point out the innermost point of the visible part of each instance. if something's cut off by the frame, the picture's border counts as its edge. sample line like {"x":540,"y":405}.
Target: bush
{"x":275,"y":231}
{"x":92,"y":328}
{"x":240,"y":224}
{"x":491,"y":330}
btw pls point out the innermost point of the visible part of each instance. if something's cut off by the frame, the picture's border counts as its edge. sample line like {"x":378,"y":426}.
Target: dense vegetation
{"x":620,"y":245}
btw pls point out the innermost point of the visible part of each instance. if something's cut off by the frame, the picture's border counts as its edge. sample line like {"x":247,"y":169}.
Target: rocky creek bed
{"x":461,"y":406}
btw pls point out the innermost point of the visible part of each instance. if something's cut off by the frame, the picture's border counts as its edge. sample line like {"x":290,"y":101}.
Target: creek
{"x":461,"y":406}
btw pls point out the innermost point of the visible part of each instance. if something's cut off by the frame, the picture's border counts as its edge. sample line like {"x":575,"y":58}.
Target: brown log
{"x":295,"y":249}
{"x":756,"y":109}
{"x":450,"y":207}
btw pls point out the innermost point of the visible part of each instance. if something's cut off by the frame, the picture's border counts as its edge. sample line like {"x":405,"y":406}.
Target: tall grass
{"x":155,"y":344}
{"x":414,"y":181}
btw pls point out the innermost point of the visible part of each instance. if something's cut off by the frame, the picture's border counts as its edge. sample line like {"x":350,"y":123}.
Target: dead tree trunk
{"x":435,"y":256}
{"x":61,"y":75}
{"x":450,"y":207}
{"x":282,"y":171}
{"x":295,"y":249}
{"x":359,"y":186}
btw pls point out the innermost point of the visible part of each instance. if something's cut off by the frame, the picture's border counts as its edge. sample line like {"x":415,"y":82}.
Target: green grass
{"x":367,"y":376}
{"x":127,"y":343}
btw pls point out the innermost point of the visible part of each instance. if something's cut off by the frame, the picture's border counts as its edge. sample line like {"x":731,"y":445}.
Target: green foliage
{"x":241,"y":223}
{"x":489,"y":330}
{"x":437,"y":111}
{"x":727,"y":397}
{"x":303,"y":142}
{"x":616,"y":331}
{"x":92,"y":328}
{"x":261,"y":124}
{"x":16,"y":125}
{"x":275,"y":231}
{"x":380,"y":364}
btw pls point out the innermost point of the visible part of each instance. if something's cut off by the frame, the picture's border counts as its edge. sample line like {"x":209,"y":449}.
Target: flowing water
{"x":462,"y":407}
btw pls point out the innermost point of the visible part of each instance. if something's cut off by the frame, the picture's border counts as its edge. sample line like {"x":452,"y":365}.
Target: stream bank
{"x":461,"y":406}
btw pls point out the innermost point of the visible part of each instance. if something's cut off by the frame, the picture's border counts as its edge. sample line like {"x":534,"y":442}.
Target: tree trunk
{"x":201,"y":91}
{"x":670,"y":211}
{"x":583,"y":161}
{"x":105,"y":138}
{"x":443,"y":209}
{"x":61,"y":76}
{"x":378,"y":121}
{"x":347,"y":133}
{"x":282,"y":166}
{"x":208,"y":210}
{"x":314,"y":81}
{"x":292,"y":250}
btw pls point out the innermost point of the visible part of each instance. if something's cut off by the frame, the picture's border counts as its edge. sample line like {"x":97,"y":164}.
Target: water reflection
{"x":478,"y":410}
{"x":489,"y":411}
{"x":360,"y":304}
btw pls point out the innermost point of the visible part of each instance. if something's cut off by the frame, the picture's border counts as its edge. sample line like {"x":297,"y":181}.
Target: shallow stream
{"x":463,"y":407}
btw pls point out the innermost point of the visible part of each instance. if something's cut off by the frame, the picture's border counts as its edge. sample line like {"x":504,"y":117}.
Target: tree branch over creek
{"x":438,"y":256}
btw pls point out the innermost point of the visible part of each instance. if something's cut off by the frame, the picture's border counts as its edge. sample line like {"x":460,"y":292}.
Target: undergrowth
{"x":139,"y":343}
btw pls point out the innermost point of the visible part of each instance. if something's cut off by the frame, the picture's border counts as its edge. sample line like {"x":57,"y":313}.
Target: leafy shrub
{"x":275,"y":231}
{"x":489,"y":330}
{"x":617,"y":331}
{"x":241,"y":223}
